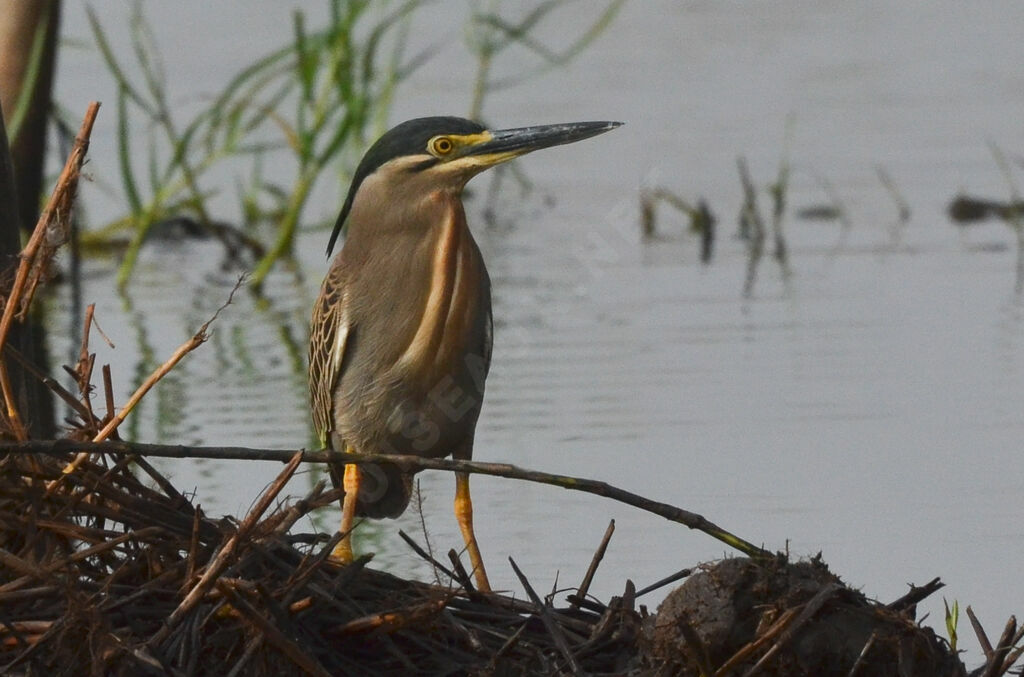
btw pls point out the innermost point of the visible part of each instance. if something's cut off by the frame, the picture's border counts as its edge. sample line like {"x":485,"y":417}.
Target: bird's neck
{"x":451,"y":297}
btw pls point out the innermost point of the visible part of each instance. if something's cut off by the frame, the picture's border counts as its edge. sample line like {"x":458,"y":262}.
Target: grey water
{"x":867,"y":406}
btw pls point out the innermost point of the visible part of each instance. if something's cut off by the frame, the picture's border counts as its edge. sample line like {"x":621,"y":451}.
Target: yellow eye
{"x":441,"y":145}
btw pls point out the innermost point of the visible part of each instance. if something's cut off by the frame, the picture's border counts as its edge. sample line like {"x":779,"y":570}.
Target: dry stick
{"x":194,"y":342}
{"x":387,"y":622}
{"x":549,"y":622}
{"x":193,"y":546}
{"x":62,"y":194}
{"x":427,"y":556}
{"x":997,"y":665}
{"x":1007,"y":641}
{"x":862,"y":657}
{"x":1014,"y":656}
{"x":986,"y":646}
{"x":461,"y":576}
{"x":23,"y":567}
{"x":86,"y":362}
{"x":108,"y":390}
{"x":271,"y":633}
{"x":751,"y":648}
{"x":50,"y":383}
{"x":467,"y":634}
{"x":915,"y":595}
{"x":184,"y":349}
{"x":83,"y":352}
{"x":250,"y":650}
{"x":406,"y":463}
{"x":682,"y":573}
{"x":812,"y":607}
{"x":588,"y":577}
{"x":220,"y":561}
{"x":296,"y":510}
{"x":505,"y":648}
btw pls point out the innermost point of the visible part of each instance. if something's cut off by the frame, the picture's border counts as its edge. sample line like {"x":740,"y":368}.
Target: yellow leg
{"x":464,"y":514}
{"x":343,"y":551}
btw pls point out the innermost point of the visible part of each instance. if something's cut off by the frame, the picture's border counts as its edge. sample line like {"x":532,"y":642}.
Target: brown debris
{"x":113,"y":575}
{"x":118,"y":573}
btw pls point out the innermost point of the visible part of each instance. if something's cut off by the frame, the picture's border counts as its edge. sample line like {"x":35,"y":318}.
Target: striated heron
{"x":400,"y":342}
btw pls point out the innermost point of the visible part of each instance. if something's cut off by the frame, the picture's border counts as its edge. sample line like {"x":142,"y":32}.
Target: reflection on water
{"x":868,"y":408}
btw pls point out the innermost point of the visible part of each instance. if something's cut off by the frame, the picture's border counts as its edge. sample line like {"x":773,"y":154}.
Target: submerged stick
{"x":751,"y":226}
{"x":406,"y":463}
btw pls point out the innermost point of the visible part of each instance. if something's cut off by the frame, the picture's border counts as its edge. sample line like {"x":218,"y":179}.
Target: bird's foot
{"x":342,"y":553}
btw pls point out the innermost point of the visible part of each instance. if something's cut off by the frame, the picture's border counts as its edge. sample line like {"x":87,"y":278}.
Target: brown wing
{"x":328,"y":335}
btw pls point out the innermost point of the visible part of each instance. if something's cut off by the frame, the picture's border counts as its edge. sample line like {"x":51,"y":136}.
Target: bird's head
{"x":446,"y":152}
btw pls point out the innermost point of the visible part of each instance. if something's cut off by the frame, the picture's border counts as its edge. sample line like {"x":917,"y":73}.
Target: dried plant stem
{"x":61,"y":196}
{"x":588,"y":578}
{"x":184,"y":349}
{"x":408,"y":464}
{"x":86,"y":361}
{"x":217,"y":565}
{"x":545,"y":615}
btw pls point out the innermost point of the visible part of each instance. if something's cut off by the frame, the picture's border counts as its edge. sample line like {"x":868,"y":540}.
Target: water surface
{"x":869,"y":407}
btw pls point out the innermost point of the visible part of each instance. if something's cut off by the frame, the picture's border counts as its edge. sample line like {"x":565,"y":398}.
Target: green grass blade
{"x":124,"y":152}
{"x":148,"y":57}
{"x":113,"y":66}
{"x":306,"y":60}
{"x":31,"y":77}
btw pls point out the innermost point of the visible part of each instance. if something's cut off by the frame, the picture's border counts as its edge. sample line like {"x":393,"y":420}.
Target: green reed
{"x":314,"y":102}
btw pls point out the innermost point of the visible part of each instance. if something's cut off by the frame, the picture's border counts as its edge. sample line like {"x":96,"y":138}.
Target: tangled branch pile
{"x":109,"y":573}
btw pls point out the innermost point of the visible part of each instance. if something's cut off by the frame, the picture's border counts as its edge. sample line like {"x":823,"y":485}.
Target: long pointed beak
{"x":506,"y":144}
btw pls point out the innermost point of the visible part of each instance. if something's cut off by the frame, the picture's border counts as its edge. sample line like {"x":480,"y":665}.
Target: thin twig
{"x":427,"y":556}
{"x":59,"y":390}
{"x":108,"y":391}
{"x":812,"y":607}
{"x":683,"y":573}
{"x":184,"y":349}
{"x":460,"y":571}
{"x":220,"y":562}
{"x":997,"y":663}
{"x":588,"y":578}
{"x":549,"y":623}
{"x":271,"y":633}
{"x":751,"y":648}
{"x":83,"y":370}
{"x":915,"y":595}
{"x":406,"y":463}
{"x":863,"y":655}
{"x":986,"y":645}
